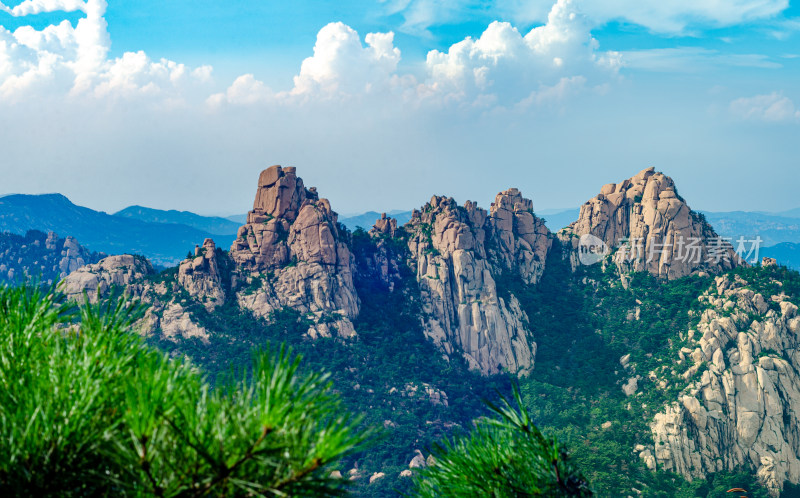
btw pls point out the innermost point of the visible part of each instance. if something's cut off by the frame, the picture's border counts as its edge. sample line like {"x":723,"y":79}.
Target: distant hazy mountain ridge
{"x":366,"y":220}
{"x":209,"y":224}
{"x":163,"y":243}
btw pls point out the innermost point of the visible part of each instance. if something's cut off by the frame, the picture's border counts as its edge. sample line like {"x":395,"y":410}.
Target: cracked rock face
{"x":201,"y":277}
{"x":292,"y":254}
{"x":124,"y":271}
{"x":129,"y":273}
{"x":457,"y":252}
{"x":742,"y":406}
{"x":520,"y":240}
{"x":653,"y":229}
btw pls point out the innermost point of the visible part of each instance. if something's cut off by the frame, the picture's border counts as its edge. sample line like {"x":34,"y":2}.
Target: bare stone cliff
{"x":651,"y":228}
{"x":457,"y":252}
{"x":291,"y":253}
{"x":742,"y":405}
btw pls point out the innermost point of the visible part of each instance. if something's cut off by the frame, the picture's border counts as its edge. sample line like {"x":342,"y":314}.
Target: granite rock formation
{"x":649,"y":227}
{"x":42,"y":257}
{"x":519,"y":240}
{"x":292,"y":253}
{"x":457,"y":253}
{"x":201,"y":276}
{"x":384,"y":226}
{"x":124,"y":272}
{"x":386,"y":262}
{"x":165,"y":315}
{"x":742,"y":405}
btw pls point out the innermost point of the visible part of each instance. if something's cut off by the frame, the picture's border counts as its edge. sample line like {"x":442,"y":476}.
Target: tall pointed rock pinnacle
{"x":292,"y":254}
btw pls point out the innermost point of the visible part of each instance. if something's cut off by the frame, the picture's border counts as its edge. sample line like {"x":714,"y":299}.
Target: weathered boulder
{"x":384,"y":226}
{"x":649,"y":227}
{"x":292,"y":253}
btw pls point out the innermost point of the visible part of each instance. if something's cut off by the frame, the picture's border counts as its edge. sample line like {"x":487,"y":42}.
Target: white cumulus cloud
{"x":245,"y":90}
{"x":502,"y":66}
{"x":65,"y":60}
{"x":341,"y":65}
{"x":29,"y":7}
{"x":508,"y":65}
{"x":771,"y":108}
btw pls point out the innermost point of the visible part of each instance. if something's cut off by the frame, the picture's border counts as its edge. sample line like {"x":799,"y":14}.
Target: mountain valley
{"x":663,"y":374}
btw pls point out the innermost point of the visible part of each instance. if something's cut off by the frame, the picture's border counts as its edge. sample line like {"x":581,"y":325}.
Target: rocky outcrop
{"x":174,"y":321}
{"x":132,"y":277}
{"x":124,"y":272}
{"x":384,"y":226}
{"x":41,"y":257}
{"x":291,"y":253}
{"x":457,"y":253}
{"x":383,"y":262}
{"x":519,"y":241}
{"x":742,"y":404}
{"x":201,"y":276}
{"x":649,"y":227}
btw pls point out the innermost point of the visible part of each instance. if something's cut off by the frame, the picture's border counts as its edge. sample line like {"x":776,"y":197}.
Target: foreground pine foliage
{"x":86,"y":409}
{"x":503,"y":457}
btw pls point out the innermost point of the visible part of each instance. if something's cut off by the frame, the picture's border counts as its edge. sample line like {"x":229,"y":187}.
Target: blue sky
{"x":179,"y":104}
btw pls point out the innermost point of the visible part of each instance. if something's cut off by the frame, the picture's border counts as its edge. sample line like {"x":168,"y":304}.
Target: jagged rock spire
{"x":458,"y":252}
{"x":293,"y":244}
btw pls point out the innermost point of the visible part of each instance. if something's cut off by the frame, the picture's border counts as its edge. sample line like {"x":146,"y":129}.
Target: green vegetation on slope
{"x":583,"y":324}
{"x":382,"y":374}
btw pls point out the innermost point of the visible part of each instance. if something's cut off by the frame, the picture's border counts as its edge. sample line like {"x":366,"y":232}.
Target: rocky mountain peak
{"x":292,"y":246}
{"x":280,"y":194}
{"x":200,"y":275}
{"x":651,"y":228}
{"x":385,"y":225}
{"x":458,"y":252}
{"x":521,"y":239}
